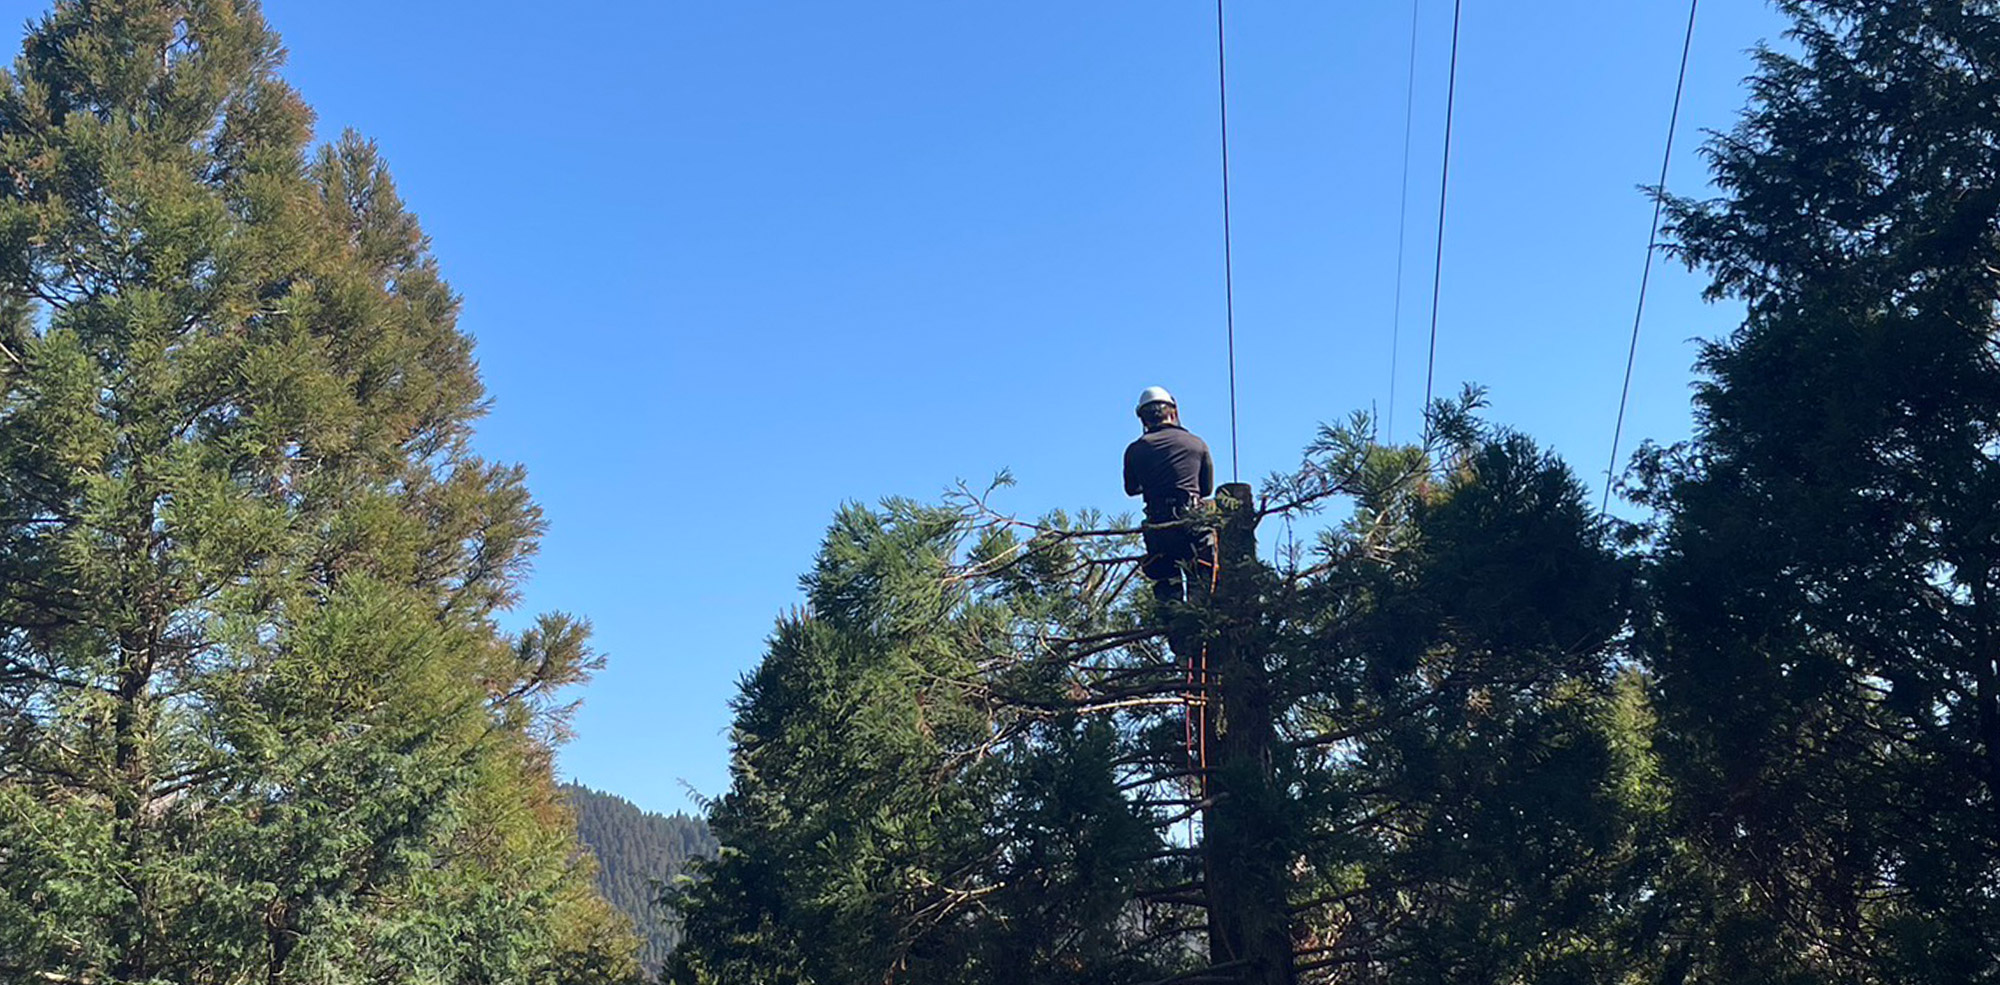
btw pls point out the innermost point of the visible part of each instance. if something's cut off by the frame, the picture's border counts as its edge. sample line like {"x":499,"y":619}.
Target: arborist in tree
{"x":1173,"y":470}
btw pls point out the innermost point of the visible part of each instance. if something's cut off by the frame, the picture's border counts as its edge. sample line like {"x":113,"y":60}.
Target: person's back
{"x":1173,"y":470}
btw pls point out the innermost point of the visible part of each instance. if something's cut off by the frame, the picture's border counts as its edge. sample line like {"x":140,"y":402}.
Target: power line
{"x":1228,"y":259}
{"x":1444,"y":184}
{"x":1402,"y":223}
{"x":1652,"y":234}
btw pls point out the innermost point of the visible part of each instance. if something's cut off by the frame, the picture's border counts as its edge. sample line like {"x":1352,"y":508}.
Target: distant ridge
{"x":637,"y":852}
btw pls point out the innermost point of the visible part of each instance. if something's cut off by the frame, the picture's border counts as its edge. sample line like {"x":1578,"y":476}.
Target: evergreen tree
{"x":1828,"y":559}
{"x":963,"y":761}
{"x":878,"y":823}
{"x":258,"y":720}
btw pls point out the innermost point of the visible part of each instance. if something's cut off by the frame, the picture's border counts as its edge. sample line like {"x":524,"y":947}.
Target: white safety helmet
{"x":1155,"y":395}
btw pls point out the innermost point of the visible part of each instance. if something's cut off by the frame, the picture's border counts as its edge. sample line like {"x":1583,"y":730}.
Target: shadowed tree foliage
{"x":1826,"y":628}
{"x":963,"y":760}
{"x":257,"y":720}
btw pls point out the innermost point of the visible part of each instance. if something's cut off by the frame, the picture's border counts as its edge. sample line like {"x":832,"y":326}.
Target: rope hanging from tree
{"x":1402,"y":223}
{"x":1228,"y":258}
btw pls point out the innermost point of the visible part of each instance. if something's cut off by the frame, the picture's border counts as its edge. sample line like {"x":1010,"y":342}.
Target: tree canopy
{"x":260,"y":720}
{"x":963,"y":760}
{"x":1822,"y":618}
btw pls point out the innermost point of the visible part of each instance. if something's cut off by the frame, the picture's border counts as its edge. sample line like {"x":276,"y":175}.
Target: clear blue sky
{"x":730,"y":264}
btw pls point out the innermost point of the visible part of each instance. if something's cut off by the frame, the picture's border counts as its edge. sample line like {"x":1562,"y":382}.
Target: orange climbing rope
{"x":1195,"y":720}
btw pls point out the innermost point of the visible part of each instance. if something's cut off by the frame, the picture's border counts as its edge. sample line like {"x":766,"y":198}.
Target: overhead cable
{"x":1444,"y":185}
{"x":1652,"y":235}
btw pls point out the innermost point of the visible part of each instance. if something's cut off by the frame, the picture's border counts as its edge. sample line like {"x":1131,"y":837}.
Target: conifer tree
{"x":259,"y":722}
{"x":890,"y":815}
{"x":963,"y":761}
{"x":1828,"y":561}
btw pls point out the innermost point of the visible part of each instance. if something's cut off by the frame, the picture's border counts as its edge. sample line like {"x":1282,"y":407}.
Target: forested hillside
{"x":639,"y":854}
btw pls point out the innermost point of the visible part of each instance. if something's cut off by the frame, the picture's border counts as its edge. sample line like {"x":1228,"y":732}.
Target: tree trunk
{"x":1243,"y":853}
{"x":130,"y":727}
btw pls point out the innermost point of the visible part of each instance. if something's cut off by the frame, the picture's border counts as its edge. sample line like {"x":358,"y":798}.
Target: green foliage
{"x":1471,"y":779}
{"x":1824,"y":620}
{"x":258,"y":720}
{"x":890,"y":814}
{"x":963,"y":762}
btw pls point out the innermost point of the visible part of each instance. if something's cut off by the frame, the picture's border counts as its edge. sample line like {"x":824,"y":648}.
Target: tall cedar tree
{"x":1827,"y":635}
{"x":258,"y":721}
{"x":963,"y":760}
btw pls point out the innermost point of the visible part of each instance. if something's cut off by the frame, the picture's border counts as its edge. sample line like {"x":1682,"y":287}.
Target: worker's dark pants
{"x":1170,"y":553}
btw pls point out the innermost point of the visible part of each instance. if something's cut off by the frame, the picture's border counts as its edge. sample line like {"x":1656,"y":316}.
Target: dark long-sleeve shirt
{"x":1171,"y":468}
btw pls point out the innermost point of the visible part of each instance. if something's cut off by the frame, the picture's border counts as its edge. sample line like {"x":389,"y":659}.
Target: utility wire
{"x":1228,"y":259}
{"x":1652,"y":234}
{"x":1402,"y":223}
{"x":1444,"y":184}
